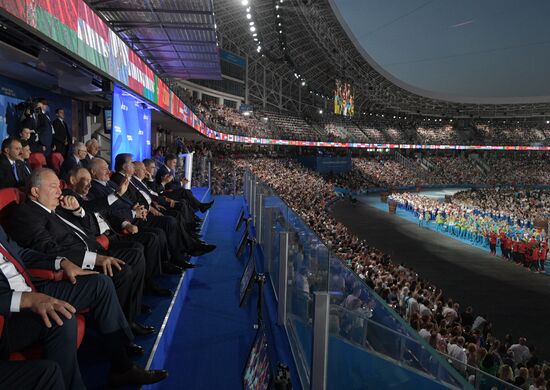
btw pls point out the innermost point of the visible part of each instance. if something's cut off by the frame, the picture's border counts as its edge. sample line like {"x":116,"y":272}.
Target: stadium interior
{"x":237,"y":194}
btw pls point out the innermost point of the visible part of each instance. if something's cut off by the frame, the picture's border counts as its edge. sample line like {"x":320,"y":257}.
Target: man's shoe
{"x":207,"y":248}
{"x":135,"y":350}
{"x":145,"y":309}
{"x":184,"y":264}
{"x":205,"y":206}
{"x":158,"y":291}
{"x":137,"y":376}
{"x":172,"y":269}
{"x":141,"y":330}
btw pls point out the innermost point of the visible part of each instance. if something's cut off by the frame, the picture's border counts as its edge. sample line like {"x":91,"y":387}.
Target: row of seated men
{"x":112,"y":235}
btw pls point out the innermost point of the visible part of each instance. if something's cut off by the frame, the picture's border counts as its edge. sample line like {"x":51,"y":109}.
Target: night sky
{"x":477,"y":48}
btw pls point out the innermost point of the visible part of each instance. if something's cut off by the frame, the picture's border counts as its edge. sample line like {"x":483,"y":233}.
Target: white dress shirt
{"x":16,"y":281}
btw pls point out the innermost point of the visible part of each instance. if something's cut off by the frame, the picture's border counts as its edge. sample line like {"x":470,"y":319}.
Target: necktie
{"x":18,"y":266}
{"x":79,"y":233}
{"x":14,"y":169}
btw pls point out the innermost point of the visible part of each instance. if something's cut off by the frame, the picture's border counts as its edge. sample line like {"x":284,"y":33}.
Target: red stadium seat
{"x":55,"y":160}
{"x":37,"y":160}
{"x":9,"y":199}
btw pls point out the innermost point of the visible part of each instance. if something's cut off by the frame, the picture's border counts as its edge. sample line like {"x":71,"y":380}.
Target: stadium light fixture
{"x":278,"y":16}
{"x":255,"y":35}
{"x":259,"y":49}
{"x":251,"y":23}
{"x":303,"y":83}
{"x":252,"y":28}
{"x":244,"y":2}
{"x":277,"y":6}
{"x":248,"y":16}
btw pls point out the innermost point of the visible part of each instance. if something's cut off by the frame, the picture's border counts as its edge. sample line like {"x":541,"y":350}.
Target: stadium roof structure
{"x":313,"y":41}
{"x":294,"y":61}
{"x":177,"y":38}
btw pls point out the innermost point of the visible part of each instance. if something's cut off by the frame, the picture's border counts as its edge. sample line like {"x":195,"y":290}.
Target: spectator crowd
{"x":465,"y":337}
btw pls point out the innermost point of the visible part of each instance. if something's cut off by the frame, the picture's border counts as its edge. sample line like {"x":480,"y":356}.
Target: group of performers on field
{"x":519,"y":240}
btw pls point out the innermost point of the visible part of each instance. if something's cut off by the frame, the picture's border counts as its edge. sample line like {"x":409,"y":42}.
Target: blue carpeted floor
{"x":212,"y":335}
{"x":94,"y":364}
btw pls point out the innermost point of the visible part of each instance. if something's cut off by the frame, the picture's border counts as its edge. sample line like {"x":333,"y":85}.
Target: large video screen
{"x":131,"y":125}
{"x":257,"y":372}
{"x":343,"y":99}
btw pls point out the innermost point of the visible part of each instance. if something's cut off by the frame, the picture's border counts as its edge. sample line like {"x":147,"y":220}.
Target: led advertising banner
{"x":78,"y":29}
{"x":131,"y":126}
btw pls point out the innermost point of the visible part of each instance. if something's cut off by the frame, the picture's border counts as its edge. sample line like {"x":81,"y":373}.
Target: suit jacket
{"x":123,"y":206}
{"x":45,"y":132}
{"x":91,"y":205}
{"x":24,"y":171}
{"x":68,"y":163}
{"x":34,"y":227}
{"x":7,"y":177}
{"x":27,"y":258}
{"x":173,"y":185}
{"x":132,"y":193}
{"x":62,"y":136}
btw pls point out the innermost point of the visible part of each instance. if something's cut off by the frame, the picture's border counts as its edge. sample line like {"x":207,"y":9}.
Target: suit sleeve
{"x":5,"y":297}
{"x":29,"y":257}
{"x":37,"y":235}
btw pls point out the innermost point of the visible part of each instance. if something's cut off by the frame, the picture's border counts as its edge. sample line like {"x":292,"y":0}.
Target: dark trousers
{"x":95,"y":292}
{"x":31,"y":374}
{"x":149,"y":243}
{"x":129,"y":281}
{"x":169,"y":226}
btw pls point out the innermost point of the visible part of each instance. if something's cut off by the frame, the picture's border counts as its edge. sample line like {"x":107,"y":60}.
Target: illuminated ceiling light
{"x":252,"y":28}
{"x":256,"y":39}
{"x":255,"y":34}
{"x":280,"y":31}
{"x":548,"y":122}
{"x":244,"y":2}
{"x":277,"y":6}
{"x":278,"y":15}
{"x":259,"y":49}
{"x":321,"y":112}
{"x":248,"y":10}
{"x":248,"y":16}
{"x":303,"y":83}
{"x":251,"y":23}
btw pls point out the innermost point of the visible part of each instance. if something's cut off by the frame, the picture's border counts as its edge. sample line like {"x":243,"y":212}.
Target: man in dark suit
{"x":176,"y":185}
{"x":92,"y":147}
{"x":44,"y":127}
{"x":124,"y":167}
{"x":36,"y":224}
{"x":43,"y":311}
{"x":62,"y":138}
{"x":165,"y":204}
{"x":102,"y":187}
{"x":74,"y":160}
{"x":101,"y":219}
{"x":10,"y":172}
